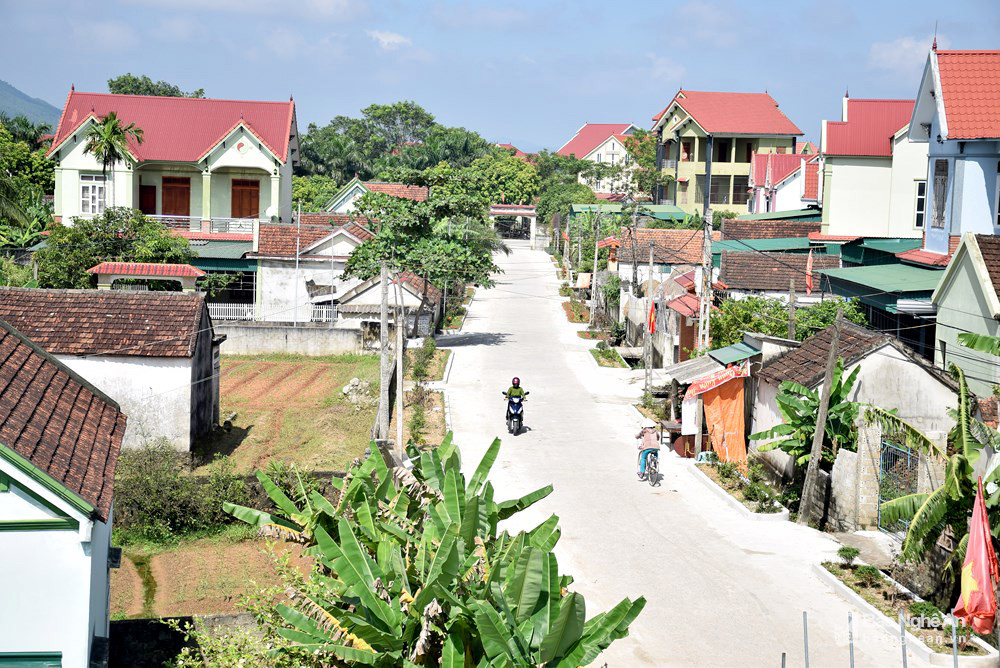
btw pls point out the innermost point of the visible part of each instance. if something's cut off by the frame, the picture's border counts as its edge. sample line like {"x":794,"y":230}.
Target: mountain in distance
{"x":15,"y":103}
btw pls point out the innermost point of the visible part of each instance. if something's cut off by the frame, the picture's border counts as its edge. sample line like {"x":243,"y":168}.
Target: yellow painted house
{"x":706,"y":141}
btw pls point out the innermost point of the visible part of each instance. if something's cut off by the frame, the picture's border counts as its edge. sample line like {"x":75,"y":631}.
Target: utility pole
{"x":635,"y":250}
{"x":382,"y":424}
{"x":816,"y":452}
{"x":791,"y":308}
{"x":298,"y":243}
{"x":593,"y":276}
{"x":400,"y":355}
{"x":648,"y":352}
{"x":705,"y":305}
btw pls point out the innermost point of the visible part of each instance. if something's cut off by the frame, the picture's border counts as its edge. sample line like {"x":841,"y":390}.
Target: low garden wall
{"x":263,"y":338}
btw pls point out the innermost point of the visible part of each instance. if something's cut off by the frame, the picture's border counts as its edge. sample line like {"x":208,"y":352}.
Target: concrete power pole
{"x":593,"y":276}
{"x":385,"y":371}
{"x":647,"y":356}
{"x":791,"y":308}
{"x":816,"y":452}
{"x":705,"y":305}
{"x":400,"y":355}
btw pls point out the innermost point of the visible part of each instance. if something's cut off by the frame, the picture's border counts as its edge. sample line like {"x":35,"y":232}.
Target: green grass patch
{"x":576,"y":312}
{"x":607,"y":357}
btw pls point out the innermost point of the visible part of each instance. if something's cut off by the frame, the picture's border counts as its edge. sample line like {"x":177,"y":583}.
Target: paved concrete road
{"x":721,"y":590}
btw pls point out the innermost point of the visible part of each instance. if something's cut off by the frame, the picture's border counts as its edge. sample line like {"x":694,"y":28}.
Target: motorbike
{"x":515,"y":413}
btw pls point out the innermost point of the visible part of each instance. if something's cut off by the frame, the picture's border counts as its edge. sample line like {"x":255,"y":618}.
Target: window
{"x":92,"y":193}
{"x":720,"y":190}
{"x":749,"y":155}
{"x":682,"y":192}
{"x":597,"y":184}
{"x":687,"y":151}
{"x":598,"y":157}
{"x":921,"y":205}
{"x":722,"y":152}
{"x":940,"y":192}
{"x":741,"y":184}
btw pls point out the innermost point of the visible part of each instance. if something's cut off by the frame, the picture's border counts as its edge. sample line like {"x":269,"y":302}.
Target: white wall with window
{"x":92,"y":191}
{"x":909,"y":168}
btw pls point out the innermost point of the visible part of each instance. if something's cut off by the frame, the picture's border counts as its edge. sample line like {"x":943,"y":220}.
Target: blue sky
{"x":529,"y":73}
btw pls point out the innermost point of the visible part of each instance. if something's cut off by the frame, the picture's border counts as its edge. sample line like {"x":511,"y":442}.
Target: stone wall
{"x":261,"y":338}
{"x":869,"y":453}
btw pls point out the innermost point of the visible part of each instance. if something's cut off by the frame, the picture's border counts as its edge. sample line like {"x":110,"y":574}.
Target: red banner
{"x":714,"y":380}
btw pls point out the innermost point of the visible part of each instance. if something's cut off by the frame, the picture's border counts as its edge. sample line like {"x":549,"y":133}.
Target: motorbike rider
{"x":515,"y":388}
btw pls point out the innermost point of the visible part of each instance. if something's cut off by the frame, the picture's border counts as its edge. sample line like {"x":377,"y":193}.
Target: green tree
{"x":507,"y":179}
{"x":821,"y":315}
{"x":413,"y":571}
{"x":770,"y":316}
{"x":11,"y":207}
{"x":24,"y":130}
{"x":107,"y":141}
{"x":130,"y":84}
{"x":117,"y":235}
{"x":313,"y":191}
{"x":329,"y":152}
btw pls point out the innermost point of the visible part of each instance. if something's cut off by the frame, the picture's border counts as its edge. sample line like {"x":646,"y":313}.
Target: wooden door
{"x":176,"y":196}
{"x":246,"y":198}
{"x":147,"y":200}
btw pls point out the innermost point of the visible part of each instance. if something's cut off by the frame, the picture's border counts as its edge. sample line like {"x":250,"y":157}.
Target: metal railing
{"x":218,"y":225}
{"x":324,"y":313}
{"x":232,"y":311}
{"x":668,"y":164}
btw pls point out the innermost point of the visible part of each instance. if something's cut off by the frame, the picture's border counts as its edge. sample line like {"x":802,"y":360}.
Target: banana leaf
{"x":566,"y":630}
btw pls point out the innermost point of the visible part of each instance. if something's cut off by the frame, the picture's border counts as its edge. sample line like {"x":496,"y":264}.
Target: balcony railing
{"x":669,"y":164}
{"x":218,"y":225}
{"x":232,"y":311}
{"x":324,"y":312}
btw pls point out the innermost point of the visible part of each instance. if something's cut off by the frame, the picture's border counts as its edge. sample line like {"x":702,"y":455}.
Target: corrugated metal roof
{"x":868,"y":128}
{"x":888,"y":277}
{"x":658,"y":211}
{"x":891,"y":245}
{"x":734,"y":353}
{"x":801,"y":214}
{"x":225,"y":250}
{"x":787,"y":243}
{"x":690,"y":370}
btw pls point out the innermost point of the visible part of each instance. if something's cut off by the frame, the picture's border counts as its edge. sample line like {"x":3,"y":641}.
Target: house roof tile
{"x":687,"y":305}
{"x":181,"y":129}
{"x":768,"y":229}
{"x":281,"y":239}
{"x":869,"y":127}
{"x":106,"y":322}
{"x":989,"y":247}
{"x":670,"y":246}
{"x":773,"y":168}
{"x":147,"y":269}
{"x":807,"y":363}
{"x":749,"y":270}
{"x":970,"y":87}
{"x":57,"y":421}
{"x":404,"y":190}
{"x":734,"y":113}
{"x":810,"y":189}
{"x":590,"y":136}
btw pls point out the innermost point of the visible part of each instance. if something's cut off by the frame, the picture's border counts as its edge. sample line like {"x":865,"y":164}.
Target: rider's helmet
{"x":515,"y":381}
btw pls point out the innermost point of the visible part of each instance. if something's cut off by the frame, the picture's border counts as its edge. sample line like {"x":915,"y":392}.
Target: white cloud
{"x":105,"y":35}
{"x":706,"y":23}
{"x":663,"y":70}
{"x":473,"y":16}
{"x":904,"y":56}
{"x":389,"y":41}
{"x":310,"y":9}
{"x":180,"y":29}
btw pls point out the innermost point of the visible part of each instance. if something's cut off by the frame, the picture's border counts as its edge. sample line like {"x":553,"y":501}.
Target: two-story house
{"x":203,"y":164}
{"x":706,"y":141}
{"x":873,"y":176}
{"x":601,"y":143}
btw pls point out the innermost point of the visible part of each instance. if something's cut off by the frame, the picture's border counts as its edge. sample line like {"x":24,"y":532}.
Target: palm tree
{"x":107,"y":140}
{"x":11,"y":207}
{"x":950,"y":505}
{"x":22,"y":129}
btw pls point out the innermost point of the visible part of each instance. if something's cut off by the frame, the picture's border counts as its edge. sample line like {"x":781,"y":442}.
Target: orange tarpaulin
{"x":724,"y":414}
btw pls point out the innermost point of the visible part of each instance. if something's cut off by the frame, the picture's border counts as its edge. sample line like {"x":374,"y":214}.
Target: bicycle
{"x":653,"y":468}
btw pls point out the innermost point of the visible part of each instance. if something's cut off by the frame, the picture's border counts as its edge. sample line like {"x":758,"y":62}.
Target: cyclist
{"x":647,"y":441}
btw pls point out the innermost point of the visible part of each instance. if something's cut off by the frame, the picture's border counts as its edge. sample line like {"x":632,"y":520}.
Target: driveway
{"x":721,"y":590}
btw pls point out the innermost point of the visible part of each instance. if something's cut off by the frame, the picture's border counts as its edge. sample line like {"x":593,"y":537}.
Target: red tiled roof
{"x":869,"y":127}
{"x":807,"y":363}
{"x":921,"y":256}
{"x":687,"y":305}
{"x":818,"y":236}
{"x":211,"y":236}
{"x":106,"y":322}
{"x":147,"y":269}
{"x":590,"y":136}
{"x":773,"y":168}
{"x":181,"y":129}
{"x":970,"y":86}
{"x":811,"y":187}
{"x":611,"y":242}
{"x":518,"y":153}
{"x":734,"y":113}
{"x":989,"y":248}
{"x":769,"y":229}
{"x":404,"y":190}
{"x":686,"y":280}
{"x":669,"y":246}
{"x":420,"y":285}
{"x":281,"y":239}
{"x":58,"y":421}
{"x":770,"y":272}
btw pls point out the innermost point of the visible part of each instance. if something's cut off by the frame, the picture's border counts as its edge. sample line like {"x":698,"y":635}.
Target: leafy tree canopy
{"x":26,"y":176}
{"x":770,"y":316}
{"x":117,"y":235}
{"x":22,"y":129}
{"x":313,"y":191}
{"x":507,"y":179}
{"x":130,"y":84}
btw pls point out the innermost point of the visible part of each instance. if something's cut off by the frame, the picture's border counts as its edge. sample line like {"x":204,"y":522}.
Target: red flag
{"x":977,"y":605}
{"x":809,"y":274}
{"x":652,"y":317}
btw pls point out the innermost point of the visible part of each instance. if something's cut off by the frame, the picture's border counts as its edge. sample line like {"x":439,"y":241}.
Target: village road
{"x":722,"y":590}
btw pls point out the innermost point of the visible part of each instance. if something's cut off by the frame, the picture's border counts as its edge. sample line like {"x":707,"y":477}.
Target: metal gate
{"x":897,"y":476}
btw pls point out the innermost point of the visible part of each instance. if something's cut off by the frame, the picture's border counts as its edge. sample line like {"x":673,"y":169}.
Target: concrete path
{"x":722,"y":590}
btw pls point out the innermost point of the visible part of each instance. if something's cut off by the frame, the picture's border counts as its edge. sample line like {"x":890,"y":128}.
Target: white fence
{"x":324,"y":312}
{"x":231,"y":311}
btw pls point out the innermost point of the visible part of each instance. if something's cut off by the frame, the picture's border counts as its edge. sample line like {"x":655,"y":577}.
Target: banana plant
{"x":413,"y":571}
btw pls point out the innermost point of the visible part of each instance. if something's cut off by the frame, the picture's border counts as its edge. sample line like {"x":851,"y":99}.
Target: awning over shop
{"x":689,"y":370}
{"x":734,"y":353}
{"x":882,"y":285}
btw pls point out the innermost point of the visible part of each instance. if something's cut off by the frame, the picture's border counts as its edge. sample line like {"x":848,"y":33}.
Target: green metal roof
{"x":891,"y":245}
{"x":734,"y":353}
{"x":888,"y":277}
{"x":658,"y":211}
{"x":798,"y":214}
{"x":790,"y":243}
{"x":227,"y":250}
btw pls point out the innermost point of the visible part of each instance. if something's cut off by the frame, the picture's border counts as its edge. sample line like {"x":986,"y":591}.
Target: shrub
{"x":601,"y":345}
{"x":847,"y":555}
{"x":726,"y":470}
{"x":155,"y":499}
{"x":756,"y":492}
{"x":755,"y":471}
{"x":288,"y":476}
{"x":616,"y":333}
{"x":926,"y":610}
{"x":868,"y":576}
{"x":418,"y":423}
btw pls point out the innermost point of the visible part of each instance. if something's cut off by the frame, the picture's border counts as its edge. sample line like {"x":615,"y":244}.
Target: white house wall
{"x":858,"y":196}
{"x":283,"y":293}
{"x":611,"y":152}
{"x":788,"y":196}
{"x":57,"y":599}
{"x":154,"y":392}
{"x":909,"y":165}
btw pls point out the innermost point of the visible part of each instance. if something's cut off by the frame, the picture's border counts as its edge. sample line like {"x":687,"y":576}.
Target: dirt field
{"x":292,"y":409}
{"x":205,"y":576}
